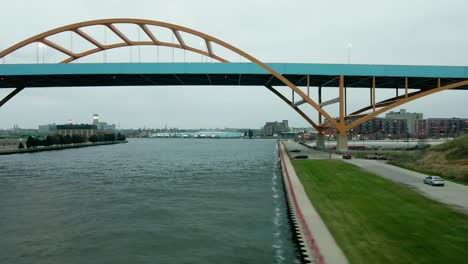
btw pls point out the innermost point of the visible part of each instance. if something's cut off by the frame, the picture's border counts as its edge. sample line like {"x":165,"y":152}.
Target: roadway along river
{"x":148,"y":201}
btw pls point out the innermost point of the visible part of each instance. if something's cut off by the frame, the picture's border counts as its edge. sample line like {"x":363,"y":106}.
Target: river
{"x":148,"y":201}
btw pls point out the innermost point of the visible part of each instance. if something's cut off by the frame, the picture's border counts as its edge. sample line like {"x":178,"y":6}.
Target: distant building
{"x":442,"y":127}
{"x":411,"y":119}
{"x":47,"y":129}
{"x":379,"y":128}
{"x":275,"y":128}
{"x":401,"y":125}
{"x":95,"y":119}
{"x":106,"y":127}
{"x":102,"y":125}
{"x":97,"y":127}
{"x":83,"y":130}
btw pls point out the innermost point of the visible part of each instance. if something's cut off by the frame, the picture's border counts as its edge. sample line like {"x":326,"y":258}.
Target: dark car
{"x":295,"y":150}
{"x":347,"y":156}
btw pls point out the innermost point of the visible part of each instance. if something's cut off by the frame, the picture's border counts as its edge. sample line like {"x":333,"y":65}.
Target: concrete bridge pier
{"x":320,"y":141}
{"x":342,"y":142}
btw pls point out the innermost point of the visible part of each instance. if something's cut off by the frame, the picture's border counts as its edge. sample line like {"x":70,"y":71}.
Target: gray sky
{"x":413,"y":32}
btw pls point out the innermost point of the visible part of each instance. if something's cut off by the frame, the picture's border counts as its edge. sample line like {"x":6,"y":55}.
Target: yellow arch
{"x":176,"y":29}
{"x":397,"y":101}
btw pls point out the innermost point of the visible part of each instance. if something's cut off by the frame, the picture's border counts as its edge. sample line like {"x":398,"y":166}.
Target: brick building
{"x":442,"y":127}
{"x":83,"y":130}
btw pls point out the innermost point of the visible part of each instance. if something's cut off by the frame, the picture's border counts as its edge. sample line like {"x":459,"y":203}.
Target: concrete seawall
{"x":316,"y":243}
{"x":50,"y":148}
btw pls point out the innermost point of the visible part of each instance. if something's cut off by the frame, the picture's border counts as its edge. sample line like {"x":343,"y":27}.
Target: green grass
{"x":457,"y":148}
{"x":377,"y":221}
{"x":448,"y":160}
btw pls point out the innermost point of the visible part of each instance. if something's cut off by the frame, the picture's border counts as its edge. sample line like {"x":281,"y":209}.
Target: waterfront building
{"x":275,"y":128}
{"x":71,"y":129}
{"x":411,"y":119}
{"x":47,"y":129}
{"x":394,"y":128}
{"x":442,"y":127}
{"x":95,"y":119}
{"x":103,"y":126}
{"x":376,"y":128}
{"x":84,"y":130}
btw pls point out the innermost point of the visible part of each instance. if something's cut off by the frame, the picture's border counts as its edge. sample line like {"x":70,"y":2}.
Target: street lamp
{"x":40,"y":46}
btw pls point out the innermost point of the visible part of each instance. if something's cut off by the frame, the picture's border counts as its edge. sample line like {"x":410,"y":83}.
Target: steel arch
{"x":176,"y":29}
{"x":397,"y":101}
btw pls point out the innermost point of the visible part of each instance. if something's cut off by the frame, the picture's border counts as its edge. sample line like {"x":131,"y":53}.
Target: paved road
{"x":311,"y":153}
{"x":452,"y":194}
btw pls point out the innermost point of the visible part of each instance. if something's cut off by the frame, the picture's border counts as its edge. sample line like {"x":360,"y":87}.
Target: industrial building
{"x":275,"y":128}
{"x":84,"y":130}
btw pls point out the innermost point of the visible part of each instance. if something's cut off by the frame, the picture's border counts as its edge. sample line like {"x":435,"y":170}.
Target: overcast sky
{"x":416,"y":32}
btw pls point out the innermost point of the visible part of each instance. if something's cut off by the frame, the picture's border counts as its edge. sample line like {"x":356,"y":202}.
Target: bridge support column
{"x":342,"y":142}
{"x":320,"y":141}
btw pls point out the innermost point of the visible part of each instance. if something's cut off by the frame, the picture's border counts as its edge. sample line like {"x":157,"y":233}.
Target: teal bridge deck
{"x":245,"y":74}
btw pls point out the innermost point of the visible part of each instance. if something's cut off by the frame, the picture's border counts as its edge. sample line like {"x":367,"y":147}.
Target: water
{"x":148,"y":201}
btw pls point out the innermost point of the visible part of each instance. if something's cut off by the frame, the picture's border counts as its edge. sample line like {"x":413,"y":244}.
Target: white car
{"x":434,"y":180}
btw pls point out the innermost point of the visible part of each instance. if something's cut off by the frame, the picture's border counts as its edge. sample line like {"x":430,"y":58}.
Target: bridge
{"x":300,"y":79}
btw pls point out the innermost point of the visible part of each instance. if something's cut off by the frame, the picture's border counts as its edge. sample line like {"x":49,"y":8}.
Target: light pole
{"x":37,"y":53}
{"x":350,"y":45}
{"x":40,"y":47}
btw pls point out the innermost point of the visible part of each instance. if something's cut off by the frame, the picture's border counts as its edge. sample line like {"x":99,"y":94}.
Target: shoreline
{"x":317,"y":245}
{"x":60,"y":147}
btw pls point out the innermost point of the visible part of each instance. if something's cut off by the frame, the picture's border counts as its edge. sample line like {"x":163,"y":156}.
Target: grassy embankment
{"x":377,"y":221}
{"x":449,"y":160}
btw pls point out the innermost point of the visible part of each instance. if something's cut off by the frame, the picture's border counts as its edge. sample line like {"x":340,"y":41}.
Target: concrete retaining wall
{"x":316,"y":243}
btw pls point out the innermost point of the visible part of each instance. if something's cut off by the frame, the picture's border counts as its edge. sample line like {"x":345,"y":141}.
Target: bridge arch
{"x":340,"y":124}
{"x":176,"y":29}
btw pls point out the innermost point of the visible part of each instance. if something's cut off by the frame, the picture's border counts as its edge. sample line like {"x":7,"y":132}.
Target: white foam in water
{"x":277,"y":243}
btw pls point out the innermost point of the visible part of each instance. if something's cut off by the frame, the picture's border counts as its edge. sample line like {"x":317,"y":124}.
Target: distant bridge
{"x":426,"y":80}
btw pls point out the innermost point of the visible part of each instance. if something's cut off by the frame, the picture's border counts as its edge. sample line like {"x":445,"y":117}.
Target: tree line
{"x":51,"y":140}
